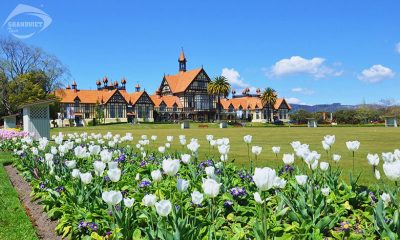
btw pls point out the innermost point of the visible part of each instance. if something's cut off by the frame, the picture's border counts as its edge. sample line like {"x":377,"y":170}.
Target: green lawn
{"x":373,"y":140}
{"x":14,"y":223}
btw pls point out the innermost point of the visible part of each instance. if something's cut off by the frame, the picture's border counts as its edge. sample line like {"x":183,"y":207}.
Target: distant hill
{"x":321,"y":107}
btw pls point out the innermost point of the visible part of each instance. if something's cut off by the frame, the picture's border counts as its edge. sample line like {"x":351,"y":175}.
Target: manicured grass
{"x":373,"y":140}
{"x":14,"y":223}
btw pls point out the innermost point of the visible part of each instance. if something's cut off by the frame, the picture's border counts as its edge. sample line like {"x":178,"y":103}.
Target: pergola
{"x":36,"y":118}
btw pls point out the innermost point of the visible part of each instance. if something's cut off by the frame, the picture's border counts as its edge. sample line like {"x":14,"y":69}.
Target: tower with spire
{"x":182,"y":62}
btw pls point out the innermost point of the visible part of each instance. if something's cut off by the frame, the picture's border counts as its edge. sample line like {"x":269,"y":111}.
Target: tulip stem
{"x":353,"y":161}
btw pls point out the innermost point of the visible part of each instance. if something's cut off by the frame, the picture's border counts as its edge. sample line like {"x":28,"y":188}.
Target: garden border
{"x":45,"y":228}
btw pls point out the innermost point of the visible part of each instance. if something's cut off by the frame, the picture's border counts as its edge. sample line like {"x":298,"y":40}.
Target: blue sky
{"x":341,"y":51}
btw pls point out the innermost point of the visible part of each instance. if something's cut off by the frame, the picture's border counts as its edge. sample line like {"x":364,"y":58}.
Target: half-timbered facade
{"x":189,"y":89}
{"x":115,"y":104}
{"x":249,"y":107}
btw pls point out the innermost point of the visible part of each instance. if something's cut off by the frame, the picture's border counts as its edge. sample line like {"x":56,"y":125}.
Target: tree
{"x":268,"y":98}
{"x":17,"y":59}
{"x":219,"y":87}
{"x":301,"y":116}
{"x":25,"y":89}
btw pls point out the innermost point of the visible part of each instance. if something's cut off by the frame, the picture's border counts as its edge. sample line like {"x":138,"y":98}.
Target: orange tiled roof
{"x":250,"y":102}
{"x":279,"y":102}
{"x":85,"y":96}
{"x":179,"y":82}
{"x":168,"y":100}
{"x":94,"y":96}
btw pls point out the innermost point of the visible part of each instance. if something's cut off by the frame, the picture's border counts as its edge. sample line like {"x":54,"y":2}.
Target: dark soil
{"x":45,"y":228}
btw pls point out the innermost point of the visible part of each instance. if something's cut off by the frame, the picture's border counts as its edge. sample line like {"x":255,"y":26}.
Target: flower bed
{"x":101,"y":188}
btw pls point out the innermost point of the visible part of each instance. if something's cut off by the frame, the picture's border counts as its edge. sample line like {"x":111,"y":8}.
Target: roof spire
{"x":182,"y":62}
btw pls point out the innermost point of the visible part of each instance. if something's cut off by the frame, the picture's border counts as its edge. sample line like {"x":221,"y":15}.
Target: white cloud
{"x":298,"y":65}
{"x":235,"y":80}
{"x":398,"y":47}
{"x":304,"y":91}
{"x":293,"y":100}
{"x":376,"y":73}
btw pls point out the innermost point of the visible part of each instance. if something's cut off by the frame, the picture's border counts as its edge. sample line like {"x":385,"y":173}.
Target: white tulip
{"x":70,"y":164}
{"x":279,"y":182}
{"x":197,"y":197}
{"x":99,"y":167}
{"x":276,"y":150}
{"x":94,"y":149}
{"x":301,"y":179}
{"x":182,"y":185}
{"x":288,"y":159}
{"x":149,"y":200}
{"x":86,"y":178}
{"x":112,"y":165}
{"x":154,"y":138}
{"x":223,"y":149}
{"x":163,"y":207}
{"x":247,"y":139}
{"x":264,"y":178}
{"x":53,"y":150}
{"x":185,"y":158}
{"x":156,"y":175}
{"x":210,"y":171}
{"x":256,"y":150}
{"x":353,"y":145}
{"x":257,"y":198}
{"x":112,"y":197}
{"x":75,"y":173}
{"x":161,"y":149}
{"x":295,"y":145}
{"x":80,"y":152}
{"x":182,"y":141}
{"x":325,"y":191}
{"x":336,"y":157}
{"x":114,"y":174}
{"x":105,"y":155}
{"x":167,"y":145}
{"x":325,"y":146}
{"x":48,"y":157}
{"x":128,"y":202}
{"x":373,"y":159}
{"x":329,"y":139}
{"x":392,"y":170}
{"x":397,"y":154}
{"x":170,"y":138}
{"x":209,"y":137}
{"x":170,"y":167}
{"x":386,"y":199}
{"x":388,"y":157}
{"x":324,"y":166}
{"x":193,"y":146}
{"x":213,"y":143}
{"x":211,"y":187}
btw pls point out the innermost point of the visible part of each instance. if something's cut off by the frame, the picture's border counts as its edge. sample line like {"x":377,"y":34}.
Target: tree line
{"x":363,"y":114}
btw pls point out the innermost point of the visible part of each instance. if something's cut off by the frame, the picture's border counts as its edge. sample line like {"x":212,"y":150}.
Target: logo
{"x":25,"y":21}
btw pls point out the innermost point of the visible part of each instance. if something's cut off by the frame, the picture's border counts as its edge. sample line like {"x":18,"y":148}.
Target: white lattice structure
{"x":36,"y":118}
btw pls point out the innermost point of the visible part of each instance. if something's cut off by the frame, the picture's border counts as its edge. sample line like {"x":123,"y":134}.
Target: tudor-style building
{"x":117,"y":105}
{"x":249,"y":107}
{"x":184,"y":95}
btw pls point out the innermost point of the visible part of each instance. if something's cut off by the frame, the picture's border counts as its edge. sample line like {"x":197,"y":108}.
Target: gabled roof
{"x":85,"y":96}
{"x":168,"y":100}
{"x":251,"y":103}
{"x":135,"y":96}
{"x":179,"y":82}
{"x":281,"y":101}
